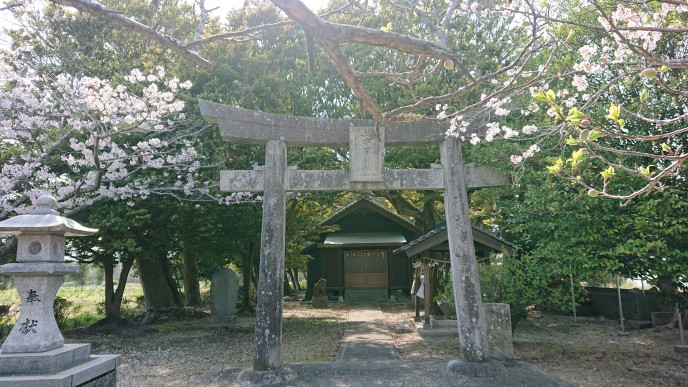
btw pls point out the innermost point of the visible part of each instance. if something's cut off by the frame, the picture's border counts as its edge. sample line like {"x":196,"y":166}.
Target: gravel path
{"x":367,"y":337}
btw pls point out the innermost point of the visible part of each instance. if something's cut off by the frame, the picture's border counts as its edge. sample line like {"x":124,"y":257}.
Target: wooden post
{"x":573,"y":296}
{"x":268,"y":338}
{"x":469,"y":306}
{"x":618,"y":292}
{"x":416,"y":299}
{"x":426,"y":292}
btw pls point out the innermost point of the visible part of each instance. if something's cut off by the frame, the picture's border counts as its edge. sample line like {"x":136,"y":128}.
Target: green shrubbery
{"x":69,"y":314}
{"x":6,"y":321}
{"x":521,"y":282}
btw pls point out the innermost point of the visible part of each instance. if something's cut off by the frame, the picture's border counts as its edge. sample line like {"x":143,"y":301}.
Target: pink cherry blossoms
{"x":610,"y":88}
{"x":84,"y":139}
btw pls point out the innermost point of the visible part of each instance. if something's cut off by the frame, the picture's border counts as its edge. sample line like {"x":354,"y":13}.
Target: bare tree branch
{"x":201,"y":22}
{"x":14,"y":4}
{"x":118,"y":18}
{"x":313,"y":25}
{"x":228,"y":35}
{"x":253,"y":30}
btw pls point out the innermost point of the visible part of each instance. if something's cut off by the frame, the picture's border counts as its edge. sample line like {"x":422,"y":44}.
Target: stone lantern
{"x":34,"y":351}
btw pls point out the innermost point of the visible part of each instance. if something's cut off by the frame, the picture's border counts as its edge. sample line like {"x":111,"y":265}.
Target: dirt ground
{"x":179,"y":349}
{"x":593,"y":353}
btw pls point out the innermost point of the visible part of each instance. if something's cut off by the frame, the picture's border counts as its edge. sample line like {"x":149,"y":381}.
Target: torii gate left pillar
{"x":268,"y":337}
{"x":366,"y":143}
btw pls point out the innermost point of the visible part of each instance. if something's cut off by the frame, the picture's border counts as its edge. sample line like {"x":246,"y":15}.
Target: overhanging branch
{"x":118,"y":18}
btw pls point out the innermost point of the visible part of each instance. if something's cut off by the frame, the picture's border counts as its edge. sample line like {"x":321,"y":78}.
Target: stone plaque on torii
{"x":366,"y":142}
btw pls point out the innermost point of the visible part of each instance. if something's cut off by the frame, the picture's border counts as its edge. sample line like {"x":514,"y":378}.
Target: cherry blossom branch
{"x":201,"y":22}
{"x":595,"y":27}
{"x":615,"y":31}
{"x":341,"y":33}
{"x":438,"y":99}
{"x":658,"y":122}
{"x":313,"y":25}
{"x":628,"y":152}
{"x":653,"y":182}
{"x":13,"y":4}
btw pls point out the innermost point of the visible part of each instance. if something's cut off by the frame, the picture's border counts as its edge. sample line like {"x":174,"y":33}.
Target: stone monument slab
{"x":224,"y":293}
{"x":500,"y":344}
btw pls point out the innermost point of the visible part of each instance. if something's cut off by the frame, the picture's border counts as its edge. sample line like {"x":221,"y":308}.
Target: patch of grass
{"x":9,"y":296}
{"x":316,"y":338}
{"x":82,"y":319}
{"x":90,"y":296}
{"x":76,"y":305}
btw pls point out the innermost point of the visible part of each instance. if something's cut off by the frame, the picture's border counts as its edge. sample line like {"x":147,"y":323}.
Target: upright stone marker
{"x":320,"y":299}
{"x":34,"y":352}
{"x":224,"y":293}
{"x":366,"y":140}
{"x":499,"y":339}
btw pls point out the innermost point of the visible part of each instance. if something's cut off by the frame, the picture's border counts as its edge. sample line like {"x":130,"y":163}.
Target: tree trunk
{"x":289,"y":278}
{"x":286,"y":287}
{"x":114,"y":295}
{"x":295,"y":279}
{"x":425,"y":219}
{"x":247,"y":262}
{"x":171,"y":281}
{"x":192,"y":287}
{"x":112,"y":311}
{"x":155,"y":281}
{"x":429,"y":220}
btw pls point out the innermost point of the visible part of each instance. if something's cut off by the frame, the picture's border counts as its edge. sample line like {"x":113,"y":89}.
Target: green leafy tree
{"x":110,"y":247}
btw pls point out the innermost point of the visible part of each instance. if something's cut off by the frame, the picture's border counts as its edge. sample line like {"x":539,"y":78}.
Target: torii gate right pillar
{"x":464,"y":268}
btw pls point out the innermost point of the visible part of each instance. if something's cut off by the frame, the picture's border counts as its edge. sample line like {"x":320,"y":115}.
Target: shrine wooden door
{"x":365,"y":269}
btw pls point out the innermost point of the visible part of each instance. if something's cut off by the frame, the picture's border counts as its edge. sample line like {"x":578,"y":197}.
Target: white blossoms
{"x":530,"y":152}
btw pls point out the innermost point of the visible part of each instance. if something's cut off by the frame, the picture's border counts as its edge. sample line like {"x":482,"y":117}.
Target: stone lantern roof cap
{"x":44,"y":219}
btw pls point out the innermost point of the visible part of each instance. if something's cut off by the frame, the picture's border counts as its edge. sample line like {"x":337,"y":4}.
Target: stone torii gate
{"x":366,"y":143}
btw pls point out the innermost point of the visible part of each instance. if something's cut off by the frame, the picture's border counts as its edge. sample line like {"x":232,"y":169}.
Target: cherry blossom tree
{"x":85,"y":139}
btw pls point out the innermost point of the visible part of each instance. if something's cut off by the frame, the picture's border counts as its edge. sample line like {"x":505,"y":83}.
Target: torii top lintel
{"x":249,"y":126}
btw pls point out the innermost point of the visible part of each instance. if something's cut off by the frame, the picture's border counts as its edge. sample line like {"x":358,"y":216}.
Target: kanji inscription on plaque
{"x":366,"y":153}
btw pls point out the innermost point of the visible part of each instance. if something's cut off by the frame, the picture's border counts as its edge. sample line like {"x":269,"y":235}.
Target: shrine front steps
{"x":366,"y":295}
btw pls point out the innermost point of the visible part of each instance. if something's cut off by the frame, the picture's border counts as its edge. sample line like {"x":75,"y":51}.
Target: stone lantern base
{"x":70,"y":365}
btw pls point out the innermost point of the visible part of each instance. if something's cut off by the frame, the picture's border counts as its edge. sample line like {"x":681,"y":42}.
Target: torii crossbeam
{"x":366,"y":142}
